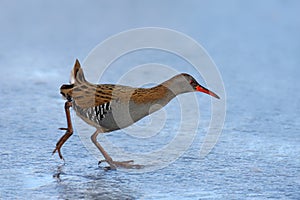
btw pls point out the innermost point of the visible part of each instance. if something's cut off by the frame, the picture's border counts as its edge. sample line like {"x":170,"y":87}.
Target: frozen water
{"x":256,"y":47}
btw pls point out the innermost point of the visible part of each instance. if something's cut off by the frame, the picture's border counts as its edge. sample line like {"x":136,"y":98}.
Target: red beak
{"x":204,"y":90}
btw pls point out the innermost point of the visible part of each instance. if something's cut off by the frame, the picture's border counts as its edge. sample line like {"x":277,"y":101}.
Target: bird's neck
{"x":155,"y":95}
{"x":162,"y":93}
{"x":177,"y":85}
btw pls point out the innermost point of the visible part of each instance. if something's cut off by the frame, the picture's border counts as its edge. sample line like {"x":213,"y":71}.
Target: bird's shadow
{"x":93,"y":183}
{"x":59,"y":172}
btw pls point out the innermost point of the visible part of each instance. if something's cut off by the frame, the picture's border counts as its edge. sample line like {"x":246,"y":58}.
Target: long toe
{"x":127,"y":164}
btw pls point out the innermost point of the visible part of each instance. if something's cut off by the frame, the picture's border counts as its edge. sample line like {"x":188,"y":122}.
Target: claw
{"x":59,"y":153}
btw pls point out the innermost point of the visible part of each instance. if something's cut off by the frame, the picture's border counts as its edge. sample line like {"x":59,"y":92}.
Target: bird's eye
{"x":192,"y":82}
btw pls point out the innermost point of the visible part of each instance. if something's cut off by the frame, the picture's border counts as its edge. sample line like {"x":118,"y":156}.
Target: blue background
{"x":255,"y":45}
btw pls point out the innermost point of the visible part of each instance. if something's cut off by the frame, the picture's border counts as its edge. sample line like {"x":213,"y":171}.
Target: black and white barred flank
{"x":96,"y":113}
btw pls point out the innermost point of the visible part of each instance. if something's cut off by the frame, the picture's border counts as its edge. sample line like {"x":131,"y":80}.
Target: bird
{"x":110,"y":107}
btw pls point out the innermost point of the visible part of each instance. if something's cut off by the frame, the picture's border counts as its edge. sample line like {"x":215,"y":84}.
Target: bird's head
{"x":197,"y":87}
{"x":183,"y":83}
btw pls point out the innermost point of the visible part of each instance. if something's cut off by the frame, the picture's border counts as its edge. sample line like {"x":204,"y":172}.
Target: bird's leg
{"x":108,"y":159}
{"x":112,"y":164}
{"x":69,"y":130}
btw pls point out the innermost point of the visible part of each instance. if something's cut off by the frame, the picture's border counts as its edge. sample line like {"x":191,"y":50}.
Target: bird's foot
{"x":62,"y":140}
{"x":121,"y":164}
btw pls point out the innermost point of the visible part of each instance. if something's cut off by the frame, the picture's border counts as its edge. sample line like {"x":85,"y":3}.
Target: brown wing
{"x":88,"y":95}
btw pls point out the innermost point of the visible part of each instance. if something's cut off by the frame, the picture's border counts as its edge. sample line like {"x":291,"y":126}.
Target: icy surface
{"x":256,"y":47}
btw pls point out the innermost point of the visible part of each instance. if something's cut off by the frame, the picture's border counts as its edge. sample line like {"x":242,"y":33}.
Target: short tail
{"x":77,"y":75}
